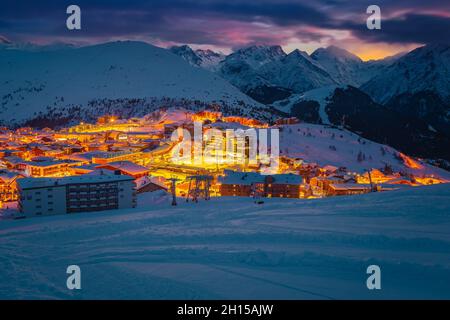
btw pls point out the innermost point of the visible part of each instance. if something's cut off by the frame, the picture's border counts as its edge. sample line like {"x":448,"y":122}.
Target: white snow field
{"x":231,"y":248}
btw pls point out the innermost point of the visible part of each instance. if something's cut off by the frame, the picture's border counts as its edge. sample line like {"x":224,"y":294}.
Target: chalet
{"x":348,"y":189}
{"x":150,"y":184}
{"x":83,"y":169}
{"x":8,"y":185}
{"x":126,"y":167}
{"x":320,"y":185}
{"x":281,"y":186}
{"x":108,"y":157}
{"x":49,"y":167}
{"x":14,"y":163}
{"x":251,"y":183}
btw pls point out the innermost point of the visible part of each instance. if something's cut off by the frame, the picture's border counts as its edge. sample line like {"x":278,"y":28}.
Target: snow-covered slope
{"x":32,"y":81}
{"x":320,"y":95}
{"x":232,"y":248}
{"x":297,"y":71}
{"x":341,"y":148}
{"x":207,"y":59}
{"x":425,"y":68}
{"x":257,"y":56}
{"x":242,"y":67}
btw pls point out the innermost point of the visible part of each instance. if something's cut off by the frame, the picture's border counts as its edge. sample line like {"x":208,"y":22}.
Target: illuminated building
{"x":47,"y":196}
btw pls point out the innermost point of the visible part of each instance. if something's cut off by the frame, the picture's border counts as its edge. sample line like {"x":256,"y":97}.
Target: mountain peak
{"x":261,"y":52}
{"x":299,"y":53}
{"x":334,"y":52}
{"x":270,"y":49}
{"x":186,"y":52}
{"x":258,"y":55}
{"x":199,"y":58}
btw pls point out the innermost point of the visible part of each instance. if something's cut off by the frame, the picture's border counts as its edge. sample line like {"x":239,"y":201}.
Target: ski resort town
{"x":104,"y":166}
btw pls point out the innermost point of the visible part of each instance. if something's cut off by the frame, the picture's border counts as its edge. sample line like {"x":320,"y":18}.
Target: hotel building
{"x":47,"y":196}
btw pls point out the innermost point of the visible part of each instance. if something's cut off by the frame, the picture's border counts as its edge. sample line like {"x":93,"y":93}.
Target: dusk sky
{"x":225,"y":25}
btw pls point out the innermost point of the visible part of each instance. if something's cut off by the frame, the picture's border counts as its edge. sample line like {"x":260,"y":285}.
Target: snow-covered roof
{"x":242,"y":178}
{"x":349,"y":186}
{"x":127,"y":166}
{"x":48,"y":163}
{"x":32,"y":183}
{"x":8,"y":176}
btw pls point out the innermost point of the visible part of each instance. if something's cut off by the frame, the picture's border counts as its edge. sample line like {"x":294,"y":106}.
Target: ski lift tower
{"x":199,"y":186}
{"x":173,"y":181}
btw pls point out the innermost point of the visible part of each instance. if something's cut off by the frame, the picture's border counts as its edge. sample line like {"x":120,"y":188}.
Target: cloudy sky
{"x":229,"y":24}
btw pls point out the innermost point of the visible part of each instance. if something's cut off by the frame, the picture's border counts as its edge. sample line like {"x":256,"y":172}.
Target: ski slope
{"x":231,"y":248}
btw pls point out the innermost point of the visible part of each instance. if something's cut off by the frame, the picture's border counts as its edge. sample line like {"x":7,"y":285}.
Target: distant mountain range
{"x":402,"y":100}
{"x":259,"y":69}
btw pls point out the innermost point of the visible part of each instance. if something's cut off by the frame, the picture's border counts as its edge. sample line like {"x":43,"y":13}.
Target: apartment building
{"x":85,"y":193}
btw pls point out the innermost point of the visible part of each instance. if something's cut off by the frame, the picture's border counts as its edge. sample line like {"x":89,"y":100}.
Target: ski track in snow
{"x":232,"y":248}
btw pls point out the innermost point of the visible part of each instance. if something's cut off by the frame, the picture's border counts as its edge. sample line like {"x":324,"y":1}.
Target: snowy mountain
{"x":298,"y":72}
{"x":243,"y":69}
{"x":207,"y":59}
{"x":257,"y":56}
{"x":424,"y":69}
{"x":268,"y":74}
{"x":34,"y":81}
{"x":343,"y":66}
{"x":418,"y":85}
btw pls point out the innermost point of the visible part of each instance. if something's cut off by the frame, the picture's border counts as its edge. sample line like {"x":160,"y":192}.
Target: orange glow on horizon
{"x":374,"y":54}
{"x":380,"y":51}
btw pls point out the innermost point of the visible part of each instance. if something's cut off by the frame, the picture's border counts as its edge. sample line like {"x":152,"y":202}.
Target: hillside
{"x":327,"y":145}
{"x":34,"y":81}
